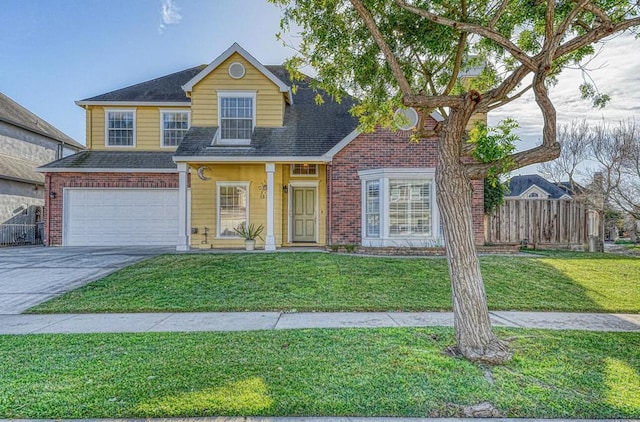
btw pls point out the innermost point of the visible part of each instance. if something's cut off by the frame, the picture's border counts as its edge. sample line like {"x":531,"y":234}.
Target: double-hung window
{"x":233,"y":207}
{"x":399,"y":208}
{"x":174,"y":125}
{"x":236,"y":116}
{"x":120,"y":128}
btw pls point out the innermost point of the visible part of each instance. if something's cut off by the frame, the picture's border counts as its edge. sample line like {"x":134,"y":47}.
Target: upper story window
{"x":174,"y":126}
{"x":304,"y":169}
{"x":120,"y":128}
{"x":236,"y":115}
{"x":534,"y":195}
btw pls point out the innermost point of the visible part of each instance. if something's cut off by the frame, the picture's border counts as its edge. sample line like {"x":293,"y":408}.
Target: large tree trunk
{"x":475,"y":337}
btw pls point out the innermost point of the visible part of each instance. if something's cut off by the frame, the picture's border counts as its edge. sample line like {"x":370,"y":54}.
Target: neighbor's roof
{"x":309,"y":129}
{"x":519,"y":184}
{"x":96,"y":161}
{"x":16,"y":115}
{"x":12,"y":168}
{"x":166,"y":89}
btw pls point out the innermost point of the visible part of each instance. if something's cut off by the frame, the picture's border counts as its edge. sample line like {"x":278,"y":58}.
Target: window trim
{"x":106,"y":126}
{"x":292,"y":174}
{"x":164,"y":111}
{"x":219,"y":185}
{"x":235,"y":94}
{"x":385,"y":239}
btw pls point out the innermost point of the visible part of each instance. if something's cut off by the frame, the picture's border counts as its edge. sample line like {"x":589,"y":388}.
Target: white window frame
{"x":235,"y":94}
{"x":219,"y":185}
{"x":164,"y":111}
{"x":385,"y":239}
{"x":106,"y":126}
{"x":303,"y":175}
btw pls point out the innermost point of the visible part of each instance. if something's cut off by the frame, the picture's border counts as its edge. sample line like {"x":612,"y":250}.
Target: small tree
{"x":413,"y":53}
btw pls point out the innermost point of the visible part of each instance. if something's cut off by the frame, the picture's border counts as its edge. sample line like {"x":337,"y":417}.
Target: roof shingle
{"x":14,"y":114}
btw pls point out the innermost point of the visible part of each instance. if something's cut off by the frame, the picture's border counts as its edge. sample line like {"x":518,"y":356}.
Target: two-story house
{"x":26,"y":142}
{"x":186,"y":158}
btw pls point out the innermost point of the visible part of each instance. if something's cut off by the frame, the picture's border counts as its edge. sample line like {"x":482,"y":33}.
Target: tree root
{"x":495,"y":353}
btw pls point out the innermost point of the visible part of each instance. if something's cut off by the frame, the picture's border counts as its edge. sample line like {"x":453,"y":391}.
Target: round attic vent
{"x":409,"y":120}
{"x":236,"y":70}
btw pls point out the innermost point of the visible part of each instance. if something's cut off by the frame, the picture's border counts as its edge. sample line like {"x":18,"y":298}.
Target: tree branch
{"x":462,"y":41}
{"x":518,"y":160}
{"x":507,"y":100}
{"x":432,"y":101}
{"x":384,"y":47}
{"x":499,"y":12}
{"x":594,"y":35}
{"x":473,"y":29}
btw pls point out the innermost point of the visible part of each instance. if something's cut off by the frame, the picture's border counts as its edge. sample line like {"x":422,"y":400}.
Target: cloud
{"x":170,"y":15}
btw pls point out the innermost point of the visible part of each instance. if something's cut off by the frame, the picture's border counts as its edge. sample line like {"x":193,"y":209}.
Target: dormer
{"x":236,"y":94}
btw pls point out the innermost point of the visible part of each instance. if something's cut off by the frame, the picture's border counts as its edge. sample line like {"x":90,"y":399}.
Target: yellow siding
{"x":204,"y":207}
{"x":478,"y":117}
{"x":147,"y":128}
{"x":204,"y":98}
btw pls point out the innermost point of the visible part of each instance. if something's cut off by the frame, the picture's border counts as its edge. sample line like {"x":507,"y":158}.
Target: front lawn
{"x":348,"y":372}
{"x":332,"y":282}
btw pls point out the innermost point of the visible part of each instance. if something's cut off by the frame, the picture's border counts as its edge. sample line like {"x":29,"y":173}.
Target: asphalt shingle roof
{"x":14,"y":114}
{"x":115,"y":160}
{"x":518,"y":184}
{"x":309,"y":129}
{"x":13,"y":168}
{"x":164,"y":89}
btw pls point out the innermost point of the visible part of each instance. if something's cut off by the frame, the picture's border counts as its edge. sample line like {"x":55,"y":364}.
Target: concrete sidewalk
{"x":244,"y":321}
{"x":315,"y":419}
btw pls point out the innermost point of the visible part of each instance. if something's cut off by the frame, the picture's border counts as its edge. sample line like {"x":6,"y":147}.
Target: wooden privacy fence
{"x":548,"y":222}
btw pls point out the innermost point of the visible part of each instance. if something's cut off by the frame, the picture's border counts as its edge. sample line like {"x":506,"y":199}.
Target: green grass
{"x":569,"y":282}
{"x":363,"y":372}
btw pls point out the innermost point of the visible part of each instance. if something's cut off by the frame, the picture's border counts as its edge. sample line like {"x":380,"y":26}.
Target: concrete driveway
{"x":31,"y":275}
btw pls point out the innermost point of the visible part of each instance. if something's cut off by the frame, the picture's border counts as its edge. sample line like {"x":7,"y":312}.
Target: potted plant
{"x":249,"y":234}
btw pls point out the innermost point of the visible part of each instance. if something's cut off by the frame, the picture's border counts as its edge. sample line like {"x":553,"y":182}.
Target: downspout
{"x":47,"y":208}
{"x":329,"y":205}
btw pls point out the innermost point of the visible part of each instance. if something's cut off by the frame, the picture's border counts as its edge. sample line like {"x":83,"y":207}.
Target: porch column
{"x":270,"y":241}
{"x":183,"y":230}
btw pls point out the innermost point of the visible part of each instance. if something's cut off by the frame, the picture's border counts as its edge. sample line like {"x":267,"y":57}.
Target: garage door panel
{"x":121,"y":217}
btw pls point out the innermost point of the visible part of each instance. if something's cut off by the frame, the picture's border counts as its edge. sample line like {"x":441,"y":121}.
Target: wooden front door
{"x":303,"y":223}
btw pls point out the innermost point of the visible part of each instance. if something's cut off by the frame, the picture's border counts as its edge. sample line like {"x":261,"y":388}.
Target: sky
{"x":55,"y":52}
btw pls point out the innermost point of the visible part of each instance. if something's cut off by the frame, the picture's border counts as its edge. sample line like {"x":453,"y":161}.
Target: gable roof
{"x":235,"y":48}
{"x":309,"y":130}
{"x":16,"y":115}
{"x":519,"y":184}
{"x":165,"y":89}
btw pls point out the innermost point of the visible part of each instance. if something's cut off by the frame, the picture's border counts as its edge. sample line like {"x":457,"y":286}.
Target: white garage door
{"x":120,"y":217}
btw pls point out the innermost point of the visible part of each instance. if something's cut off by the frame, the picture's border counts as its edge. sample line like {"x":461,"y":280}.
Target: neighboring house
{"x":186,"y":158}
{"x":26,"y":142}
{"x":533,"y":186}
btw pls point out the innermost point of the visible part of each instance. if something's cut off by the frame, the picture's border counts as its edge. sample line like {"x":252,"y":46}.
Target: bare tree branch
{"x":507,"y":100}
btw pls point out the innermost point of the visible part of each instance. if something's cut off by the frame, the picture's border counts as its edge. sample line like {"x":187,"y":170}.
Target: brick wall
{"x":56,"y":182}
{"x":380,"y":149}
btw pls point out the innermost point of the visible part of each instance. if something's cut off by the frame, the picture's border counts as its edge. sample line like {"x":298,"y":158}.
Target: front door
{"x":304,"y":215}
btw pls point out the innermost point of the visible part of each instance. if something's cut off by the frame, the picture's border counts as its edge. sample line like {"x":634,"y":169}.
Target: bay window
{"x":399,"y":208}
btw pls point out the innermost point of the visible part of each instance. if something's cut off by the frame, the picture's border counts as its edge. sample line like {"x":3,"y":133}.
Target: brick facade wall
{"x":56,"y":182}
{"x":380,"y":149}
